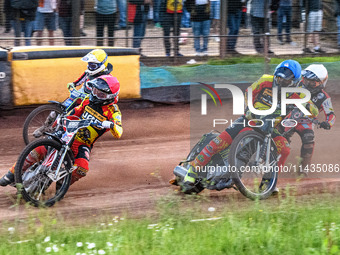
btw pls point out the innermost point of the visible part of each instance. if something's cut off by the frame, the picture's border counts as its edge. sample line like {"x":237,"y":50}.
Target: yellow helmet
{"x":96,"y":61}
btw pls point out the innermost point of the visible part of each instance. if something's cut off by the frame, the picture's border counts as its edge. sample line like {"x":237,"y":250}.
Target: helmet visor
{"x":311,"y":83}
{"x":282,"y":82}
{"x":93,"y":66}
{"x":101,"y":95}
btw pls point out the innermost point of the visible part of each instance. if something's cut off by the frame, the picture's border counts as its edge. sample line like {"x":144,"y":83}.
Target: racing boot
{"x":7,"y":179}
{"x":189,"y":179}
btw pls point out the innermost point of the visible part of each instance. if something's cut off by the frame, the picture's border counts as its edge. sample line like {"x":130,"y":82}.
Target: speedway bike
{"x":248,"y":165}
{"x":42,"y":119}
{"x":44,"y":168}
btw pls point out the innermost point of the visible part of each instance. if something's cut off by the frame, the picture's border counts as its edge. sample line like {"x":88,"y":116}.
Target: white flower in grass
{"x":47,"y":239}
{"x":91,"y":245}
{"x":55,"y":248}
{"x":101,"y":252}
{"x":211,"y":209}
{"x":79,"y":244}
{"x":11,"y":230}
{"x":48,"y":249}
{"x":62,"y":245}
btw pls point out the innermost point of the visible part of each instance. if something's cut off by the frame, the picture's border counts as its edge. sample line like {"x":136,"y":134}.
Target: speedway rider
{"x":286,"y":74}
{"x":97,"y":65}
{"x":101,"y":105}
{"x":314,"y":78}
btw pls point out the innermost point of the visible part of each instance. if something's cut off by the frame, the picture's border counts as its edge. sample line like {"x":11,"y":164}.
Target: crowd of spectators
{"x":202,"y":16}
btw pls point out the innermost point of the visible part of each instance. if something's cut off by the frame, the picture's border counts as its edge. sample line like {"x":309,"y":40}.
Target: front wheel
{"x":253,"y":179}
{"x":34,"y":168}
{"x":41,"y":119}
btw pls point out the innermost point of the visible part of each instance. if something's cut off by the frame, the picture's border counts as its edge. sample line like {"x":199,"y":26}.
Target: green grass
{"x":258,"y":59}
{"x":276,"y":226}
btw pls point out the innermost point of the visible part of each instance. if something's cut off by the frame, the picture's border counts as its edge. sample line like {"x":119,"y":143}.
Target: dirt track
{"x":131,"y":174}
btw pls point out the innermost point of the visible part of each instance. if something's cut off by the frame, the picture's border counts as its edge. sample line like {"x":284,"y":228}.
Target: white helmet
{"x":314,"y":77}
{"x":96,"y":61}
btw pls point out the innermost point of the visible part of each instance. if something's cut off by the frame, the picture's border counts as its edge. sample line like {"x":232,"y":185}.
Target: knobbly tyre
{"x":249,"y":164}
{"x":42,"y":119}
{"x":46,"y":181}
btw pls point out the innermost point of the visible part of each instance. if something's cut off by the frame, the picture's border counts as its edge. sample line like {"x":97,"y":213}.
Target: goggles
{"x":101,"y":95}
{"x":311,"y":83}
{"x":282,"y":82}
{"x":93,"y":66}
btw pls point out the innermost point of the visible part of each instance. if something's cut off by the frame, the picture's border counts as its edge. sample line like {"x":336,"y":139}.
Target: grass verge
{"x":276,"y":226}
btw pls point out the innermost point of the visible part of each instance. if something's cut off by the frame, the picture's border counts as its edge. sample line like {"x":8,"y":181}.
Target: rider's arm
{"x":116,"y":117}
{"x":328,"y":110}
{"x":81,"y":79}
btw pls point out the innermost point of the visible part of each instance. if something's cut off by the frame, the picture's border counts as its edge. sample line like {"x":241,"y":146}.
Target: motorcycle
{"x":248,"y":165}
{"x":42,"y":119}
{"x":44,"y":168}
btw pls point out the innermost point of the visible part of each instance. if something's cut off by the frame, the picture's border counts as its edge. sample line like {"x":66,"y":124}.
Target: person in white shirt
{"x":46,"y":17}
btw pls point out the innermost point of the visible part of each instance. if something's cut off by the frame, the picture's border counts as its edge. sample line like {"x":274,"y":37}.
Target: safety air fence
{"x":35,"y":75}
{"x":171,"y":83}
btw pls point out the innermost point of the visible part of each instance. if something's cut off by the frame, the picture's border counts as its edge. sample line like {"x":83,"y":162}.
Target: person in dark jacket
{"x":65,"y":19}
{"x":23,"y":20}
{"x":200,"y":17}
{"x":234,"y":21}
{"x":171,"y":19}
{"x":139,"y":22}
{"x":8,"y":15}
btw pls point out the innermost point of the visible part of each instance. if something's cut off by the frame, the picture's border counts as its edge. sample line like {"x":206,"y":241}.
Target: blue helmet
{"x":287,"y":73}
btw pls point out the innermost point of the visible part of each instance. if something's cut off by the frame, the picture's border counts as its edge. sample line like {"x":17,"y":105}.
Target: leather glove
{"x":325,"y":125}
{"x":70,"y":85}
{"x":107,"y":124}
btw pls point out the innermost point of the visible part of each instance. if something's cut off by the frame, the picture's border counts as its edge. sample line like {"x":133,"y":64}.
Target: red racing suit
{"x":85,"y":137}
{"x":322,"y":101}
{"x":262,"y":100}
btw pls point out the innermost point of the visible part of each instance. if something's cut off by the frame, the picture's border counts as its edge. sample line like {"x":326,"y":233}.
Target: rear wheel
{"x":35,"y":164}
{"x":253,"y":180}
{"x":41,"y":119}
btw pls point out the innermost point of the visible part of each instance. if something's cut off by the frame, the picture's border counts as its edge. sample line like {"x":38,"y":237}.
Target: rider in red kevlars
{"x":314,"y":78}
{"x":97,"y":65}
{"x":102,"y":106}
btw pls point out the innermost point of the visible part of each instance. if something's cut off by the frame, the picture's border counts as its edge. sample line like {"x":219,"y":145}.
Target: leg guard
{"x":282,"y":148}
{"x":81,"y":168}
{"x":216,"y":145}
{"x":307,"y":148}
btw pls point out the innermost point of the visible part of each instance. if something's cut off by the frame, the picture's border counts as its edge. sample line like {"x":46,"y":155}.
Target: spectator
{"x":105,"y":15}
{"x":23,"y":15}
{"x":338,"y":21}
{"x":139,"y":22}
{"x":65,"y":19}
{"x":185,"y":21}
{"x":156,"y":7}
{"x":170,"y":16}
{"x":8,"y":15}
{"x":122,"y":7}
{"x":234,"y":21}
{"x":259,"y":14}
{"x":314,"y":24}
{"x":215,"y":17}
{"x":46,"y":17}
{"x":82,"y":18}
{"x":200,"y":17}
{"x":284,"y":10}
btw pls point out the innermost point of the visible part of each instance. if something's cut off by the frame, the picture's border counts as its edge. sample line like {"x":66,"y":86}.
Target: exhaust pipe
{"x":180,"y":171}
